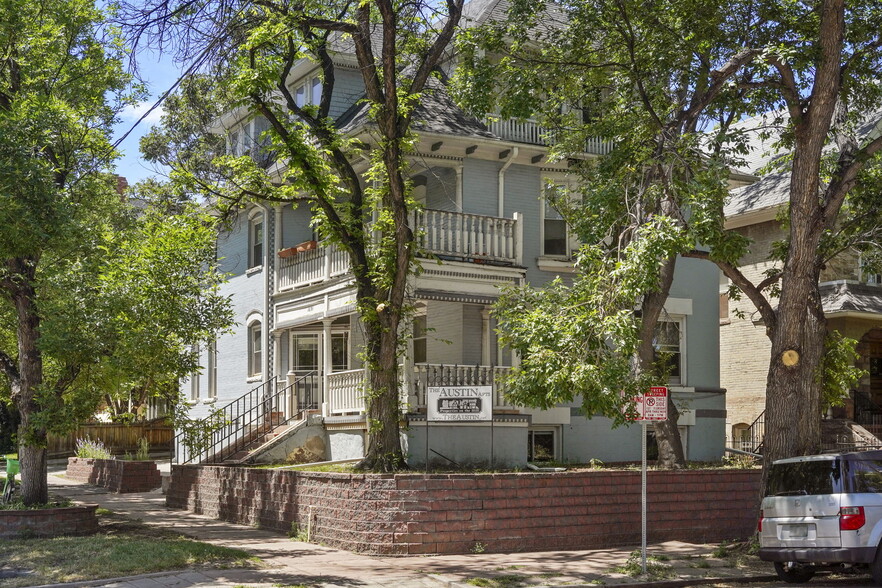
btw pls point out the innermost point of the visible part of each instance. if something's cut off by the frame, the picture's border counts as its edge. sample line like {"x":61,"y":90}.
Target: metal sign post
{"x":651,"y":406}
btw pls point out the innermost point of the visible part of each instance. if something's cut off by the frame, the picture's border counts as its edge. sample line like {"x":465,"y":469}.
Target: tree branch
{"x":8,"y":367}
{"x":848,"y":166}
{"x":753,"y":292}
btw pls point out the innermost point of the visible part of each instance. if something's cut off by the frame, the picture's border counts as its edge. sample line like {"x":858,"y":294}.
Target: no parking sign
{"x":652,"y":405}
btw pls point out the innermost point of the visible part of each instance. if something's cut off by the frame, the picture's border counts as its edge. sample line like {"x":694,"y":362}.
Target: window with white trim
{"x":339,"y":352}
{"x":255,"y":242}
{"x":308,"y":91}
{"x":541,"y":444}
{"x":420,"y":339}
{"x":554,"y":228}
{"x":255,"y":350}
{"x":305,"y":352}
{"x":670,"y":349}
{"x":194,"y":378}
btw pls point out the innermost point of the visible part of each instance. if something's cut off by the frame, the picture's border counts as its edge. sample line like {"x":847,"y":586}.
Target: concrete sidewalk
{"x":292,"y":563}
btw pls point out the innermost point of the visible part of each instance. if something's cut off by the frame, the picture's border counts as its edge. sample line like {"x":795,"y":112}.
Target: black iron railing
{"x":244,"y":421}
{"x":752,"y":437}
{"x":866,"y":411}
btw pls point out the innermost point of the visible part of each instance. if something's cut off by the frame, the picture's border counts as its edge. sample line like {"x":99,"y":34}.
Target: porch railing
{"x":530,"y":131}
{"x":468,"y":236}
{"x":752,"y":437}
{"x":346,"y":392}
{"x":427,"y":374}
{"x":309,"y":267}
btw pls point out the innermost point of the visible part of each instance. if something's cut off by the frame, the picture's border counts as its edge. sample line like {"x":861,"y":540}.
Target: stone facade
{"x":407,"y":514}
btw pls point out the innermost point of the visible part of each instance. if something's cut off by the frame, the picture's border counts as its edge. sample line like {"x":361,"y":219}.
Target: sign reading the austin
{"x":459,"y":403}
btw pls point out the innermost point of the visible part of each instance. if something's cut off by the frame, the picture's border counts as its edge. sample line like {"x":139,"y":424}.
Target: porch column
{"x":485,"y":336}
{"x":459,"y":187}
{"x":325,"y":363}
{"x":277,"y":369}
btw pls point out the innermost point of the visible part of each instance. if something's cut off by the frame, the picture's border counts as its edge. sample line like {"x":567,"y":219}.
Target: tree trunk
{"x":667,"y":435}
{"x":383,"y":451}
{"x":31,"y":437}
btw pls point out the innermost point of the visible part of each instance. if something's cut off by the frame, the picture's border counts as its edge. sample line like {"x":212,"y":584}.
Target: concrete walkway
{"x":292,"y":563}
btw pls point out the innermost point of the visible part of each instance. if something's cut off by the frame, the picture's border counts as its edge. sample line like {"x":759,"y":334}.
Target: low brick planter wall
{"x":409,"y":514}
{"x":116,"y":475}
{"x":48,"y":522}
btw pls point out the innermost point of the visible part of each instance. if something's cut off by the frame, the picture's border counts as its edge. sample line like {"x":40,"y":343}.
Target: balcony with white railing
{"x":311,"y":267}
{"x":530,"y":131}
{"x":447,"y":235}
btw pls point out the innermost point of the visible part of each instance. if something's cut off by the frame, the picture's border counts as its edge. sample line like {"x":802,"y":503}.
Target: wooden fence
{"x":118,"y":438}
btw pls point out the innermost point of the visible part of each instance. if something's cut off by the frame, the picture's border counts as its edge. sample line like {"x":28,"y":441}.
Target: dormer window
{"x":308,"y":91}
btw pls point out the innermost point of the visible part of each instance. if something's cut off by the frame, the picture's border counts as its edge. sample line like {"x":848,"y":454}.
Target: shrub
{"x":90,"y":449}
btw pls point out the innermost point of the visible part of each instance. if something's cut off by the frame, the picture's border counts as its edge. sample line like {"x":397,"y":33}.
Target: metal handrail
{"x":243,"y":420}
{"x":755,"y":434}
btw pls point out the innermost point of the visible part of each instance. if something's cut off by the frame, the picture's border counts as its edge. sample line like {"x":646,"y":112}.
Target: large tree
{"x":83,"y":282}
{"x":665,"y":81}
{"x":647,"y":82}
{"x":397,"y":46}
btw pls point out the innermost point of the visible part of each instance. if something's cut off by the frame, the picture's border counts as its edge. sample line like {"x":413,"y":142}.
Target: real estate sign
{"x":459,"y":403}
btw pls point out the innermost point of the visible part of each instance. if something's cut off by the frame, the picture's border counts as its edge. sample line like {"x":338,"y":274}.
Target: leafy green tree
{"x":665,"y":81}
{"x":85,"y":287}
{"x":397,"y":46}
{"x":647,"y":81}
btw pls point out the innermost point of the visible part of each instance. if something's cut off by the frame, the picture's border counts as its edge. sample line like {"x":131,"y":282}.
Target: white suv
{"x":823,"y":512}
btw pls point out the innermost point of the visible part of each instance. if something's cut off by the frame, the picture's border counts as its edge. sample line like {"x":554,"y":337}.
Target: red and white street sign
{"x":652,"y":405}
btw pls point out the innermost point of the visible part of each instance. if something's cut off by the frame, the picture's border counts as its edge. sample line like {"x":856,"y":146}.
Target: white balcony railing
{"x":468,"y":236}
{"x":457,"y":235}
{"x":346,"y":392}
{"x":310,"y":267}
{"x":529,"y":131}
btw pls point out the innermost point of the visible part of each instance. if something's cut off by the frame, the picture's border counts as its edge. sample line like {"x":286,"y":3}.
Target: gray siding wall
{"x":472,"y":340}
{"x":440,"y":188}
{"x":348,"y":87}
{"x":699,"y":280}
{"x":479,"y":186}
{"x":444,"y":339}
{"x":295,"y":225}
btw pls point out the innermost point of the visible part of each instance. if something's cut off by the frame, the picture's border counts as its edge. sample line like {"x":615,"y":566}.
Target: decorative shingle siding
{"x":410,"y":514}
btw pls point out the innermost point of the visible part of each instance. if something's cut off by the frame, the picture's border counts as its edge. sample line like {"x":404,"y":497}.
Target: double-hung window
{"x":669,"y":344}
{"x":308,"y":91}
{"x":555,"y":237}
{"x":255,"y":350}
{"x":255,"y":242}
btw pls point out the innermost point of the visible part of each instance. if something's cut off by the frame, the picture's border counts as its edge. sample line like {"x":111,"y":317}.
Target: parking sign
{"x":652,"y":405}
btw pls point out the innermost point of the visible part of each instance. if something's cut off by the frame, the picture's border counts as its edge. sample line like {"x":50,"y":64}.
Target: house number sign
{"x":459,"y":403}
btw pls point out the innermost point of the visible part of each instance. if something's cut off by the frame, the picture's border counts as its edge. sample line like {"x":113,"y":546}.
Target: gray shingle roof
{"x":770,"y":191}
{"x":851,"y":297}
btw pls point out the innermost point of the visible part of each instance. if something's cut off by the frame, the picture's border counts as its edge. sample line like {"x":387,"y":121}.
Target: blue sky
{"x":159,"y":72}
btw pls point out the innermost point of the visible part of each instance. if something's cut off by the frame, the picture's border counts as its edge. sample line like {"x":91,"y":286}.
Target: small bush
{"x":143,"y":453}
{"x":89,"y":449}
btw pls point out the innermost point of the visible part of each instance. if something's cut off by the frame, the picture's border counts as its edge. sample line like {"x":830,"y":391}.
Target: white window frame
{"x":421,"y":316}
{"x":544,"y":205}
{"x":308,"y":86}
{"x":194,"y":378}
{"x":680,"y":320}
{"x":555,"y":439}
{"x":292,"y":352}
{"x":255,"y":221}
{"x":866,"y":277}
{"x":254,"y":367}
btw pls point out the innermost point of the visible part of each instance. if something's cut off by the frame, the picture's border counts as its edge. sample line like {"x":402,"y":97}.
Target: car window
{"x":864,"y":475}
{"x":804,"y":477}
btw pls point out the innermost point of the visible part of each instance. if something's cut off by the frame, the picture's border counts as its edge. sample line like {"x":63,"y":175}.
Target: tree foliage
{"x":87,"y":287}
{"x":395,"y":46}
{"x":665,"y":82}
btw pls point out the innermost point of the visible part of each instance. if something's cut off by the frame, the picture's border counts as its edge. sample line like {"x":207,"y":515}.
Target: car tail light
{"x":759,"y":523}
{"x":851,"y":518}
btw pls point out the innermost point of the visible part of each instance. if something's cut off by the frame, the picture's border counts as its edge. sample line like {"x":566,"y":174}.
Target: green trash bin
{"x":11,"y":470}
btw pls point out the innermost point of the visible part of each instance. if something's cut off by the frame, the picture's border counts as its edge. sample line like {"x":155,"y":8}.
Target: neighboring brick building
{"x":852,"y":302}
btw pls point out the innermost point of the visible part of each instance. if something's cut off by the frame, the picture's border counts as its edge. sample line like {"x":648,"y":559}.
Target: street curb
{"x":659,"y":584}
{"x":103,"y":581}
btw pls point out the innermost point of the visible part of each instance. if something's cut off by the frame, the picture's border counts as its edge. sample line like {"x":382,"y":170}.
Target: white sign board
{"x":459,"y":403}
{"x":652,"y":405}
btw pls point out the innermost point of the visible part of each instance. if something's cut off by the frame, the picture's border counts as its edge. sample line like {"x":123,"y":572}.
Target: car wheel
{"x":796,"y":573}
{"x":876,"y":568}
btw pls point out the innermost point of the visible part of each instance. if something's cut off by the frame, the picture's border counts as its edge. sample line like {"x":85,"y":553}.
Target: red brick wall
{"x":116,"y":475}
{"x":48,"y":522}
{"x":415,"y":513}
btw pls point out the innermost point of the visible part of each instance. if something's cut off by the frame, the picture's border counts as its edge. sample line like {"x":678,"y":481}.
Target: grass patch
{"x":655,"y":570}
{"x":121,"y":547}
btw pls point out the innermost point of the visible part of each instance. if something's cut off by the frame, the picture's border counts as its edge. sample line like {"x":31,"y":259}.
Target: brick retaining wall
{"x":409,"y":514}
{"x":48,"y":522}
{"x":117,"y":475}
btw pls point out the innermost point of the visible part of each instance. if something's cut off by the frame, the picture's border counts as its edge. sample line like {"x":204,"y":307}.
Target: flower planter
{"x":116,"y":475}
{"x":292,"y":251}
{"x":49,"y":522}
